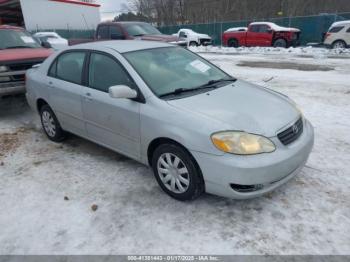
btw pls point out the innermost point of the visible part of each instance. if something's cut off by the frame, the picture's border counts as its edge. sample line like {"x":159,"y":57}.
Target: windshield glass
{"x":16,"y":39}
{"x":141,"y":29}
{"x":168,"y":69}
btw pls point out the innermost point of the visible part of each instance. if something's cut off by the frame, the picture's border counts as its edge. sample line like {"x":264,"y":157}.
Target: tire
{"x":280,"y":43}
{"x":193,"y":44}
{"x":183,"y":182}
{"x":233,"y":43}
{"x":339,"y":44}
{"x":50,"y":124}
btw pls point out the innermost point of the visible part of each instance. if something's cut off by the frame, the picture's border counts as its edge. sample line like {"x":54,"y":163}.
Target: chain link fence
{"x":312,"y":27}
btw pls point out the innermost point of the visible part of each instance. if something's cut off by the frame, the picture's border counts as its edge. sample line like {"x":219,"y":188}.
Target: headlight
{"x":3,"y":69}
{"x":241,"y":143}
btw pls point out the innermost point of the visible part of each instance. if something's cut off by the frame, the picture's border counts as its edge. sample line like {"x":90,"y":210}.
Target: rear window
{"x":336,"y":29}
{"x":70,"y":67}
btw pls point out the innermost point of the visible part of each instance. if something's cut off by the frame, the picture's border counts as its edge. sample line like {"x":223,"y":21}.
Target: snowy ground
{"x":309,"y":215}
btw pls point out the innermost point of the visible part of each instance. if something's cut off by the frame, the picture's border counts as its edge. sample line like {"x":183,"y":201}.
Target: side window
{"x":336,"y":29}
{"x":182,"y":34}
{"x":102,"y":32}
{"x":105,"y":72}
{"x":264,"y":28}
{"x":70,"y":67}
{"x":348,"y":31}
{"x":254,"y":28}
{"x":116,"y":32}
{"x":53,"y":69}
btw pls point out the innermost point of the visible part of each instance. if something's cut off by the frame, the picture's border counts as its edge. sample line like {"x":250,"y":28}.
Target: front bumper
{"x":266,"y":172}
{"x":15,"y":85}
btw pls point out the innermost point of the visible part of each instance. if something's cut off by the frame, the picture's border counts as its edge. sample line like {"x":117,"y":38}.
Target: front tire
{"x":280,"y":43}
{"x":193,"y":44}
{"x":177,"y":172}
{"x":50,"y":124}
{"x":340,"y":44}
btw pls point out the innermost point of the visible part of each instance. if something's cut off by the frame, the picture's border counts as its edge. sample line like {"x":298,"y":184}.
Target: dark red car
{"x":129,"y":31}
{"x":263,"y":34}
{"x":18,"y":52}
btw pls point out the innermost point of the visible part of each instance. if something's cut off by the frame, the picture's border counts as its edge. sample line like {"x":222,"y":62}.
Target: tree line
{"x":172,"y":12}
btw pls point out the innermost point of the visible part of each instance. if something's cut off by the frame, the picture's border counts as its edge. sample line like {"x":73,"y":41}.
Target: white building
{"x":50,"y":14}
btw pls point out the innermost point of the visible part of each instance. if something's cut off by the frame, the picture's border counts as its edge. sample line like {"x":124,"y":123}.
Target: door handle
{"x":88,"y":97}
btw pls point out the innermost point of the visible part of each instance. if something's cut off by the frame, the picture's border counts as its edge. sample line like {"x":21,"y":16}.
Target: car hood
{"x":243,"y":107}
{"x":24,"y":54}
{"x":162,"y":38}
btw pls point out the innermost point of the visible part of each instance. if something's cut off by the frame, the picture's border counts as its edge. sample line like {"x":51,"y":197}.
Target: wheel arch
{"x":40,"y":103}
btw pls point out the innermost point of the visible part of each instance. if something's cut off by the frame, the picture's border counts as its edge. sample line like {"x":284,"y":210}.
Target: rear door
{"x":112,"y":122}
{"x":65,"y":84}
{"x":259,"y":35}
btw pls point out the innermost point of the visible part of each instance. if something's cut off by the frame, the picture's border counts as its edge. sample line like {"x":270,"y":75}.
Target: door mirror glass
{"x":122,"y":91}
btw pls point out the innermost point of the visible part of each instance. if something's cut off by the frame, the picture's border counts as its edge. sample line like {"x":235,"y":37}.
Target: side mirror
{"x":46,"y":44}
{"x":122,"y":91}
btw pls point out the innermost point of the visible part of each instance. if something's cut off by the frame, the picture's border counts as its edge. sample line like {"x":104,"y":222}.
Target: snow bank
{"x":298,"y":51}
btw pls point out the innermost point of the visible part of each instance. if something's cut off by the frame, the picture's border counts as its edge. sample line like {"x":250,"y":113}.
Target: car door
{"x":112,"y":122}
{"x":347,"y":36}
{"x":264,"y":37}
{"x":65,"y":90}
{"x":252,"y":35}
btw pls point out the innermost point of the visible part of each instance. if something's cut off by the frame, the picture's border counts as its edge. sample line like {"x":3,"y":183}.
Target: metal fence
{"x":312,"y":27}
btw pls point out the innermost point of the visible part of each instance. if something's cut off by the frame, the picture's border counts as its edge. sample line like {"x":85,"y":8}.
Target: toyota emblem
{"x":295,"y":129}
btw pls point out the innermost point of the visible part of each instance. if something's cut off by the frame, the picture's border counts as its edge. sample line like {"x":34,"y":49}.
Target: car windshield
{"x":166,"y":70}
{"x":141,"y":29}
{"x":16,"y":39}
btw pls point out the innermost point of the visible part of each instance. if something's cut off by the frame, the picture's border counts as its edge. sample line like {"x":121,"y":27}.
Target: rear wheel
{"x":280,"y":43}
{"x":340,"y":44}
{"x":177,"y":173}
{"x":233,"y":43}
{"x":193,"y":44}
{"x":51,"y":125}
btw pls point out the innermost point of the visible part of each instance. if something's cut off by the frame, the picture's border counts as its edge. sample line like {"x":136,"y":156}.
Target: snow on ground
{"x":309,"y":215}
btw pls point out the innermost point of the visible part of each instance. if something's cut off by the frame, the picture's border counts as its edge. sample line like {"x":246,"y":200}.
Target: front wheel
{"x":177,"y":173}
{"x":280,"y":43}
{"x":51,"y":125}
{"x":193,"y":44}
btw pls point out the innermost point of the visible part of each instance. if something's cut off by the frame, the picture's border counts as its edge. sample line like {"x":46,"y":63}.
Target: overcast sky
{"x":114,"y":6}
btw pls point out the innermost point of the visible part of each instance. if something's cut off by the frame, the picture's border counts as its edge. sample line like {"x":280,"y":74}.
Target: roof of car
{"x":123,"y":46}
{"x":346,"y":22}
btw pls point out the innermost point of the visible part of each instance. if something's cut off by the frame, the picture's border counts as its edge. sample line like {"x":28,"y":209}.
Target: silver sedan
{"x":200,"y":129}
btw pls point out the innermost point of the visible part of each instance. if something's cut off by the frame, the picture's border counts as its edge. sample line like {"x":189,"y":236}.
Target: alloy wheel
{"x":49,"y":123}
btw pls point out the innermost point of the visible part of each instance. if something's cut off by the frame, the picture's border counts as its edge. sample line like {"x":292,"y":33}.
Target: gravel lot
{"x":47,"y":190}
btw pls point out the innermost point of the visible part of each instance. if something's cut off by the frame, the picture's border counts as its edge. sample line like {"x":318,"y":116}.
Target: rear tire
{"x":233,"y":43}
{"x":50,"y":124}
{"x":339,"y":44}
{"x":193,"y":44}
{"x":177,"y":172}
{"x":280,"y":43}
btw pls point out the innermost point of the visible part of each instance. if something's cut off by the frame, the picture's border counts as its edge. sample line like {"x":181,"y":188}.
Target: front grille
{"x":21,"y":67}
{"x":292,"y":133}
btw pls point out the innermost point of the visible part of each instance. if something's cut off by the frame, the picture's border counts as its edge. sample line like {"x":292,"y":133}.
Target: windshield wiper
{"x":18,"y":46}
{"x":210,"y":85}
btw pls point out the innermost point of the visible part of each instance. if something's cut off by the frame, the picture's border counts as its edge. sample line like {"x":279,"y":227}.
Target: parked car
{"x":338,"y":35}
{"x":18,"y":52}
{"x":193,"y":38}
{"x":262,"y":34}
{"x":51,"y":39}
{"x":129,"y":31}
{"x":198,"y":128}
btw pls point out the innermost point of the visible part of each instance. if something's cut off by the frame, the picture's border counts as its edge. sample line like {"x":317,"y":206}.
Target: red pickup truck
{"x":263,"y":34}
{"x":18,"y":52}
{"x":129,"y":31}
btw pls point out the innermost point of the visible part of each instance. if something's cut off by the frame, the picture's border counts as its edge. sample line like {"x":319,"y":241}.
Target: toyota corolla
{"x":198,"y":128}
